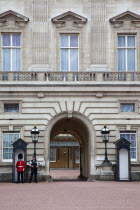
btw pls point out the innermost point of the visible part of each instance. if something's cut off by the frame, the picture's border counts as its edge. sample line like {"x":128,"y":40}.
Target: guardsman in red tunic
{"x":20,"y":166}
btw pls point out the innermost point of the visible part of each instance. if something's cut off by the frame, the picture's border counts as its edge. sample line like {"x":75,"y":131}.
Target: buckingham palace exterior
{"x":70,"y":67}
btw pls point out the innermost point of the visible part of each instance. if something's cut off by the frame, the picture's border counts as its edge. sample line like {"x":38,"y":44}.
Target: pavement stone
{"x":98,"y":195}
{"x":64,"y":174}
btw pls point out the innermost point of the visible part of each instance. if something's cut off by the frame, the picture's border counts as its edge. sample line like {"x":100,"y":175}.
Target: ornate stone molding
{"x":69,"y":19}
{"x":126,"y":19}
{"x":40,"y":67}
{"x":11,"y":19}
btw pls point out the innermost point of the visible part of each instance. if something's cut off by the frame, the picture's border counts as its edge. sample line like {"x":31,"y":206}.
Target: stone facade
{"x":79,"y":103}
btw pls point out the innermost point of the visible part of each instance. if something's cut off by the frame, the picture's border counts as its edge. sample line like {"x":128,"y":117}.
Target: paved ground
{"x":70,"y":196}
{"x":64,"y":174}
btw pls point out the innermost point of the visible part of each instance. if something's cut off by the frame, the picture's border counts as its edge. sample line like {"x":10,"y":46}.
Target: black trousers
{"x":20,"y":174}
{"x":33,"y":173}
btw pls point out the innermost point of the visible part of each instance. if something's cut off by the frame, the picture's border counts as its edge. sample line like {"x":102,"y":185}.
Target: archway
{"x":82,"y":130}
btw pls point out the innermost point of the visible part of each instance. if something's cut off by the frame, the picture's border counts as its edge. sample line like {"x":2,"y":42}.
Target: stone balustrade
{"x":69,"y":76}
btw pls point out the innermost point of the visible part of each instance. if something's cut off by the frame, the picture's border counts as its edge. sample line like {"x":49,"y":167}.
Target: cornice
{"x":12,"y":19}
{"x":61,"y":20}
{"x":128,"y":16}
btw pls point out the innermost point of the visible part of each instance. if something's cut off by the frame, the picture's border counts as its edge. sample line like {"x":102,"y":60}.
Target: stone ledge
{"x":104,"y":177}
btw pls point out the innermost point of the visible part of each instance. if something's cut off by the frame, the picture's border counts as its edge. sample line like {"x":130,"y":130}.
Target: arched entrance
{"x":82,"y":129}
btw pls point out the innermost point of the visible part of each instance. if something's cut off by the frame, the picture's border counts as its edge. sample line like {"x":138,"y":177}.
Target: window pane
{"x":16,"y":59}
{"x":6,"y":59}
{"x":133,"y":153}
{"x":64,"y":59}
{"x":131,"y":41}
{"x":53,"y":154}
{"x":73,"y":41}
{"x":6,"y":39}
{"x":132,"y":138}
{"x":77,"y":156}
{"x":5,"y":136}
{"x":5,"y":155}
{"x":121,"y":41}
{"x":133,"y":143}
{"x":127,"y":107}
{"x":15,"y":137}
{"x":121,"y":60}
{"x":5,"y":150}
{"x":9,"y":143}
{"x":10,"y":155}
{"x":16,"y":39}
{"x":5,"y":143}
{"x":64,"y":40}
{"x":74,"y":59}
{"x":131,"y":59}
{"x":8,"y":139}
{"x":10,"y":150}
{"x":126,"y":136}
{"x":11,"y":107}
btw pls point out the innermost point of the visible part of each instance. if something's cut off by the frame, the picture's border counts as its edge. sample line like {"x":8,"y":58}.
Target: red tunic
{"x":20,"y":166}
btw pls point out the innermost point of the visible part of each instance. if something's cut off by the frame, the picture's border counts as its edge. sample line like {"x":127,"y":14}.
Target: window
{"x":126,"y":53}
{"x":52,"y":154}
{"x":127,"y":107}
{"x":11,"y":50}
{"x":69,"y":52}
{"x":77,"y":156}
{"x":11,"y":107}
{"x":8,"y":139}
{"x":130,"y":136}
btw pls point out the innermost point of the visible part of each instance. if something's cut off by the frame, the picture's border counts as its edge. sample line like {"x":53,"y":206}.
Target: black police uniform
{"x":33,"y":163}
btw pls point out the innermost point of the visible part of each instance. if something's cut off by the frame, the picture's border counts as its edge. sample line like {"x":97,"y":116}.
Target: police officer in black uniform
{"x":34,"y":165}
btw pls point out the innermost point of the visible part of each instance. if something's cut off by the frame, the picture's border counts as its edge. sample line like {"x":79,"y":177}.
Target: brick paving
{"x":70,"y":196}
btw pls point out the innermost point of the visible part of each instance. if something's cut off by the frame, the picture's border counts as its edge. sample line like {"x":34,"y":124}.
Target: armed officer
{"x":34,"y":165}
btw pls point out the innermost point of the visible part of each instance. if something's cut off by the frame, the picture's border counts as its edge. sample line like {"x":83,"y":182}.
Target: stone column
{"x":40,"y":31}
{"x":92,"y":169}
{"x":47,"y":157}
{"x":92,"y":156}
{"x":98,"y":35}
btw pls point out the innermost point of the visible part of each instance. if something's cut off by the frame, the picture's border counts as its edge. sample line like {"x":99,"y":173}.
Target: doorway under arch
{"x":82,"y":130}
{"x":65,"y":157}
